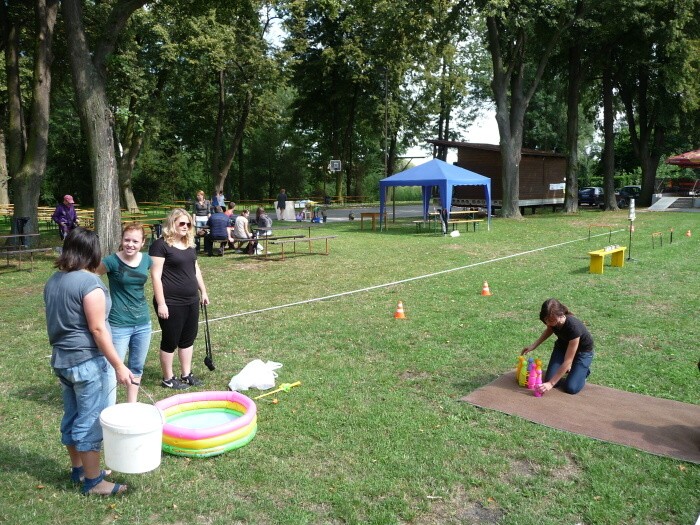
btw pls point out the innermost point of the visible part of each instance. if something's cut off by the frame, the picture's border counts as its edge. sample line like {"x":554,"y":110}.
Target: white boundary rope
{"x":394,"y":283}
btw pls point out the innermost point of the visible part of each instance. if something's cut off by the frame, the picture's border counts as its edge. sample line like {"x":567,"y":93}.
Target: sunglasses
{"x":183,"y":223}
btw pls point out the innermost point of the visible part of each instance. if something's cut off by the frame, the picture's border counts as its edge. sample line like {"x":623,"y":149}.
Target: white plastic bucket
{"x":133,"y":434}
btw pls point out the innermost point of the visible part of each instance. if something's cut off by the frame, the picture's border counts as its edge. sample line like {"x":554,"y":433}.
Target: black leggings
{"x":180,"y":328}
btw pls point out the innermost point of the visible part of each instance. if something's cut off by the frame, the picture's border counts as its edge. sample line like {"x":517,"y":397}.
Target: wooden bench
{"x":456,"y":222}
{"x":25,"y":251}
{"x":420,"y":224}
{"x":304,"y":239}
{"x":263,"y":240}
{"x":617,"y":254}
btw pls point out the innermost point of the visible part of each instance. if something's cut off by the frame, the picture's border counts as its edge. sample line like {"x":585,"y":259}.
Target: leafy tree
{"x":88,"y":68}
{"x":653,"y":74}
{"x":521,"y":37}
{"x":226,"y":73}
{"x":27,"y":139}
{"x":137,"y":76}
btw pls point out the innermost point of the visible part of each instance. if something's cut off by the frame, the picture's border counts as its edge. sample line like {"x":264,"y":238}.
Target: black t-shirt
{"x":179,"y":276}
{"x":571,"y":329}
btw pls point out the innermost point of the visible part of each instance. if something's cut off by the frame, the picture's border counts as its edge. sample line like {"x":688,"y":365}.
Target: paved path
{"x":341,"y":214}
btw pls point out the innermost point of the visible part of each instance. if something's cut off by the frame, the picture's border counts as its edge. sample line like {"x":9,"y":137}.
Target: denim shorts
{"x":85,"y":389}
{"x":135,"y":339}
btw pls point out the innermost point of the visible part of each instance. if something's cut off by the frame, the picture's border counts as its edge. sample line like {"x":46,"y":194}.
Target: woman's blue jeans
{"x":575,"y":380}
{"x":135,"y":339}
{"x":85,"y":388}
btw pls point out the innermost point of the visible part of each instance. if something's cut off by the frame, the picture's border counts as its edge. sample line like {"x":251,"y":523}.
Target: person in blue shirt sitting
{"x":219,"y":230}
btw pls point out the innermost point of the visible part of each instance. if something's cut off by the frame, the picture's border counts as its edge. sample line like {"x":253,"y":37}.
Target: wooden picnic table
{"x":291,"y":226}
{"x":19,"y":235}
{"x":374,"y":215}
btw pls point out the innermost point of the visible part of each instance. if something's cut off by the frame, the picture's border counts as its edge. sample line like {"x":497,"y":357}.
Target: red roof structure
{"x":690,"y":159}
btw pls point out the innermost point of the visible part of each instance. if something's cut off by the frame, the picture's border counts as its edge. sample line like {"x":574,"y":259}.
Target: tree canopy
{"x":248,"y":96}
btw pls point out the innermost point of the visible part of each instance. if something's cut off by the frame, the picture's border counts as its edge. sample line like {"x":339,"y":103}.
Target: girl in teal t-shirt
{"x":130,"y":319}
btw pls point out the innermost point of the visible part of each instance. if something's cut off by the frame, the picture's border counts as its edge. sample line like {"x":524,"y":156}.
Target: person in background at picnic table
{"x":281,"y":204}
{"x":219,"y":230}
{"x":230,"y":212}
{"x":263,"y":222}
{"x":241,"y":230}
{"x":65,"y":216}
{"x":77,"y":306}
{"x":201,"y":211}
{"x":127,"y":271}
{"x":217,"y":199}
{"x":573,"y":349}
{"x":178,"y":289}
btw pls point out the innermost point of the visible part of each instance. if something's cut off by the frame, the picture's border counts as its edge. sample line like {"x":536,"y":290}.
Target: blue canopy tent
{"x":436,"y":173}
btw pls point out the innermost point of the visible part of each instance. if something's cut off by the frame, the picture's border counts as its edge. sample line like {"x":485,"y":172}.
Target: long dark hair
{"x":81,"y":251}
{"x":552,"y":308}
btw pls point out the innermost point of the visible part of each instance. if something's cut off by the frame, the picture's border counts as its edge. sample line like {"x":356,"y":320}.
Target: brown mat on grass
{"x":660,"y":426}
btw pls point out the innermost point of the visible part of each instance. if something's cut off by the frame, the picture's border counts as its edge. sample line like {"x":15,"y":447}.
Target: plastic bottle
{"x":538,"y":382}
{"x":522,"y":378}
{"x":518,"y":367}
{"x":531,"y":376}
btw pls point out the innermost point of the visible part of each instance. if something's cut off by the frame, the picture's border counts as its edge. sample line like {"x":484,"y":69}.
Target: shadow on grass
{"x":42,"y":468}
{"x":580,"y":271}
{"x":46,"y":397}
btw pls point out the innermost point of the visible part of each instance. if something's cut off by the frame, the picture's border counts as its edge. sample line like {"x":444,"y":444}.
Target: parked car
{"x":626,"y":193}
{"x":591,"y":195}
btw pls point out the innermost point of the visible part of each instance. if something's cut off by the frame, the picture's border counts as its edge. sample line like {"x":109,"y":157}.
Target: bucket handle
{"x":153,"y":401}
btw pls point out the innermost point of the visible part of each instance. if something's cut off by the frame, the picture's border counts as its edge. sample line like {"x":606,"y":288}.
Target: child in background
{"x":573,"y":349}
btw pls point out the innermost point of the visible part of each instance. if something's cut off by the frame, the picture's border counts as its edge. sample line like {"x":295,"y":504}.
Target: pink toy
{"x":538,"y":382}
{"x":531,"y":376}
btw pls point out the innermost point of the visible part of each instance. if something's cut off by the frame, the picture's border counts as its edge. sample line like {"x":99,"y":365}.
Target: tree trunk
{"x":218,"y":130}
{"x":608,"y":157}
{"x":237,"y":140}
{"x":512,"y":98}
{"x":646,"y":134}
{"x":15,"y":130}
{"x":4,"y":178}
{"x":133,"y":140}
{"x":26,"y":182}
{"x":510,"y":159}
{"x":98,"y":125}
{"x":572,"y":101}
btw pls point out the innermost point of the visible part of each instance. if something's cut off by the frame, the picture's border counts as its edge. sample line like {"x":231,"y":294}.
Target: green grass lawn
{"x":376,"y":433}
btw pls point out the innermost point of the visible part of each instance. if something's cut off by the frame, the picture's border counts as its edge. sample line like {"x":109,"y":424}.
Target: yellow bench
{"x":617,"y":254}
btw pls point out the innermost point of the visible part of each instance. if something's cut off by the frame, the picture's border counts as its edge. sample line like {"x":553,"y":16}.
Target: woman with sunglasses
{"x":178,"y":288}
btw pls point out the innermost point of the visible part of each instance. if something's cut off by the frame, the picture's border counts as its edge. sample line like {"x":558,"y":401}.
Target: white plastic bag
{"x":255,"y":374}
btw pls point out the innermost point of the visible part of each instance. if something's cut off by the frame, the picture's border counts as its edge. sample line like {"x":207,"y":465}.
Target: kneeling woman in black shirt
{"x":573,"y":349}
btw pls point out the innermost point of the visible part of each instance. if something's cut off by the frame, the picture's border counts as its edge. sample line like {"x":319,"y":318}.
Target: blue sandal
{"x":91,"y":483}
{"x":77,"y":474}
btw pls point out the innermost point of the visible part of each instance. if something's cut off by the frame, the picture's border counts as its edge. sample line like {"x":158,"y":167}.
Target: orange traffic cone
{"x":485,"y":289}
{"x":687,"y":234}
{"x":399,"y":312}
